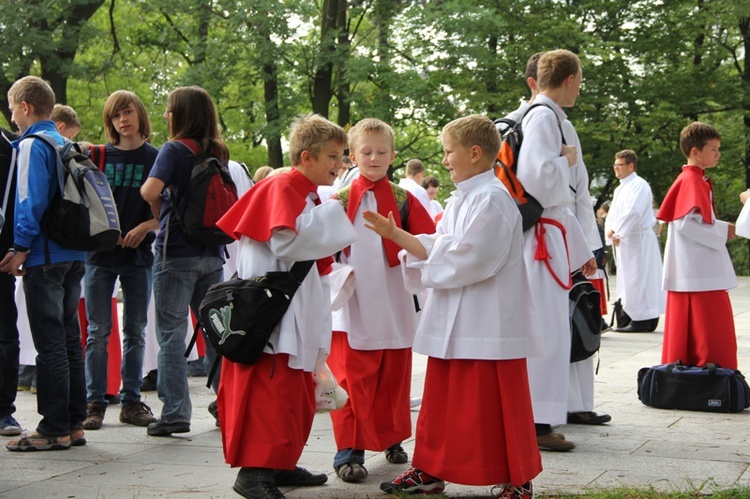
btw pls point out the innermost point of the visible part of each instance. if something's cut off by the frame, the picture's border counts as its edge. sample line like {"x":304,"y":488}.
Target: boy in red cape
{"x":373,"y":332}
{"x":266,"y":410}
{"x":475,"y":329}
{"x":699,"y":324}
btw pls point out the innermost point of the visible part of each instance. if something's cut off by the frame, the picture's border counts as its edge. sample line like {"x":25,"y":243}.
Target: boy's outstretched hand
{"x":385,"y":227}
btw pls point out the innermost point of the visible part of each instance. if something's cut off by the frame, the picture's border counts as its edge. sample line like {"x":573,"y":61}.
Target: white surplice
{"x":417,"y":190}
{"x":581,"y":380}
{"x":696,"y":256}
{"x":637,"y":256}
{"x":545,"y":174}
{"x":478,"y":298}
{"x":380,"y":313}
{"x":305,"y":330}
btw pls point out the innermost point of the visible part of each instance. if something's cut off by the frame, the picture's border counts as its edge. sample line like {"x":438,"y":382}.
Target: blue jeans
{"x":348,"y":456}
{"x":9,"y":346}
{"x":179,"y":283}
{"x":136,"y":290}
{"x":52,"y":295}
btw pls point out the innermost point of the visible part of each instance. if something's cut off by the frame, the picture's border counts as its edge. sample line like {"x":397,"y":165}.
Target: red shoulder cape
{"x":691,"y":189}
{"x":273,"y":203}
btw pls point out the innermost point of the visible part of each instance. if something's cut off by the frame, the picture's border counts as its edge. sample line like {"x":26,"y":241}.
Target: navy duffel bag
{"x":691,"y":388}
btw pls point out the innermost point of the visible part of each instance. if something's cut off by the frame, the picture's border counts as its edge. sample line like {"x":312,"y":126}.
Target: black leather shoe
{"x":647,"y":326}
{"x":298,"y":477}
{"x":256,"y":483}
{"x":588,"y":417}
{"x":163,"y":428}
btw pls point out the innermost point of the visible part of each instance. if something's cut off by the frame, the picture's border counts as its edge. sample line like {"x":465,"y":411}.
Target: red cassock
{"x":266,"y":419}
{"x":476,"y":425}
{"x":377,"y":414}
{"x":698,"y":325}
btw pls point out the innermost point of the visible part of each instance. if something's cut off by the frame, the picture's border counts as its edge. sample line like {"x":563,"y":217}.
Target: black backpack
{"x":585,"y":318}
{"x":210,"y":193}
{"x":83,"y":215}
{"x":506,"y":166}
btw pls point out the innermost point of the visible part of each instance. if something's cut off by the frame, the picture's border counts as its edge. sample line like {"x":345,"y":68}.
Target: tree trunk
{"x":273,"y":116}
{"x":343,"y":94}
{"x":322,"y":86}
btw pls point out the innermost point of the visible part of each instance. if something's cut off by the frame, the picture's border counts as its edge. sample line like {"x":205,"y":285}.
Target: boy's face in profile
{"x":69,"y":132}
{"x":322,"y":170}
{"x":708,"y":156}
{"x":373,"y":154}
{"x":20,"y":115}
{"x":458,"y":159}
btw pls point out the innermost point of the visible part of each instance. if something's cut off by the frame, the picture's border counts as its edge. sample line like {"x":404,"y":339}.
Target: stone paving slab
{"x":669,"y":450}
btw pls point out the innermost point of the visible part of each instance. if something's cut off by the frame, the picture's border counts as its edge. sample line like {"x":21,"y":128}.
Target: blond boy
{"x":266,"y":410}
{"x":475,"y":328}
{"x":52,"y":291}
{"x":373,"y":332}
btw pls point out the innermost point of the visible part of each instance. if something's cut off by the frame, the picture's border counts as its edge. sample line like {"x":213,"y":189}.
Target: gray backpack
{"x":83,"y":215}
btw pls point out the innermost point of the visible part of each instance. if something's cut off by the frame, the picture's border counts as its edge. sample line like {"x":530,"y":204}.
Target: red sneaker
{"x":414,"y":481}
{"x":525,"y":491}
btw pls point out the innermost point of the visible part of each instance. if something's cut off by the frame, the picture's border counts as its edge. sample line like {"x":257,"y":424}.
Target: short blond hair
{"x":475,"y":130}
{"x":65,"y":114}
{"x":33,"y":91}
{"x":116,"y":102}
{"x":371,"y":126}
{"x":554,"y":67}
{"x":312,"y":133}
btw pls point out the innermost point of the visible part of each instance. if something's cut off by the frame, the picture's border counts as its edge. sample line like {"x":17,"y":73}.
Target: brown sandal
{"x":37,"y":441}
{"x":77,"y":438}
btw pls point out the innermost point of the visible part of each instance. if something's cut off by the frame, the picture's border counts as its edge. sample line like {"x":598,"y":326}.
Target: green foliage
{"x":650,"y":68}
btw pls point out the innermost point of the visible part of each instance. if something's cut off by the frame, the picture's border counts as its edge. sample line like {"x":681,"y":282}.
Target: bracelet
{"x":14,"y":251}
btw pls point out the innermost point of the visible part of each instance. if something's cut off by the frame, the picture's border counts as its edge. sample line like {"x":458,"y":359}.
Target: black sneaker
{"x":414,"y":480}
{"x":396,"y":454}
{"x":213,"y":409}
{"x":298,"y":477}
{"x":161,"y":428}
{"x":149,"y":381}
{"x":248,"y":485}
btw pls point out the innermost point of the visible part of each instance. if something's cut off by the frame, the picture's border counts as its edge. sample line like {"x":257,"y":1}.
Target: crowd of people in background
{"x":463,"y":284}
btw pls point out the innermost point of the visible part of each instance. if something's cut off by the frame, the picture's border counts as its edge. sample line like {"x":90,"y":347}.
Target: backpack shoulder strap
{"x":191,"y":144}
{"x":59,"y":152}
{"x":559,"y":124}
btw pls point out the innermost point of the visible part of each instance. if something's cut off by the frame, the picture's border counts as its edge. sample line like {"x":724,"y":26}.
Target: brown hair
{"x":555,"y":67}
{"x":312,"y":133}
{"x":33,"y":91}
{"x":696,"y":134}
{"x":66,"y":114}
{"x":371,"y":125}
{"x":430,"y":181}
{"x":194,"y":116}
{"x":475,"y":129}
{"x":531,"y":65}
{"x":116,"y":102}
{"x":629,"y":156}
{"x":414,"y":167}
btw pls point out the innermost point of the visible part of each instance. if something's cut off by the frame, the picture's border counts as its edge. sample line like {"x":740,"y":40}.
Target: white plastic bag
{"x":329,"y":396}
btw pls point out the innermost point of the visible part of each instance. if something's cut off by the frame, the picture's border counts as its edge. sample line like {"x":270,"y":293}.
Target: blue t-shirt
{"x":173,"y":166}
{"x":126,"y":172}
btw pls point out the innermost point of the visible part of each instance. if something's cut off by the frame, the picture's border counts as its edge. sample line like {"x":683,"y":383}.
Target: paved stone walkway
{"x":670,"y":450}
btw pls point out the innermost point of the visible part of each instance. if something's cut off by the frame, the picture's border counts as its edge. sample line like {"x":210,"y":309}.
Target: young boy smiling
{"x":266,"y":410}
{"x":698,"y":272}
{"x":373,"y":332}
{"x":475,"y":328}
